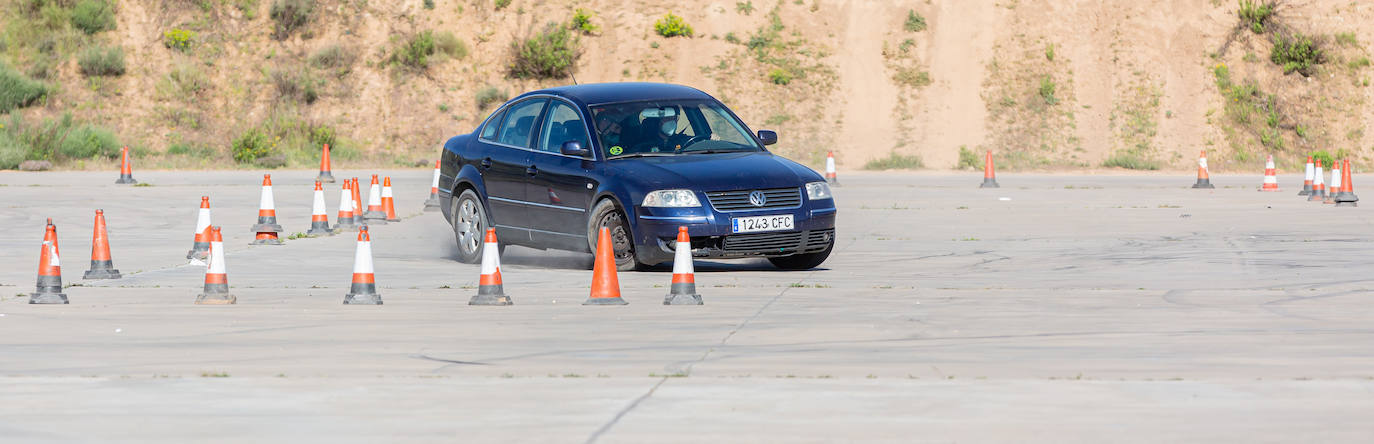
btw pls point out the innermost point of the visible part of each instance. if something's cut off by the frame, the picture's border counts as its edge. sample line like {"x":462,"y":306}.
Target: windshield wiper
{"x":711,"y":151}
{"x":627,"y":156}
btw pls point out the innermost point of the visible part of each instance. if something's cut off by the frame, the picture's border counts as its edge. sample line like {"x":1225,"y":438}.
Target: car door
{"x":503,"y":166}
{"x":560,"y":189}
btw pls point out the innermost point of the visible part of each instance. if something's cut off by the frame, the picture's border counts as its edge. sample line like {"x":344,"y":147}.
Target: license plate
{"x":761,"y":223}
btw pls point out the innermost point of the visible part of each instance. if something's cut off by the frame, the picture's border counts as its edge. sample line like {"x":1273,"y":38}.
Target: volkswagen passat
{"x":551,"y":167}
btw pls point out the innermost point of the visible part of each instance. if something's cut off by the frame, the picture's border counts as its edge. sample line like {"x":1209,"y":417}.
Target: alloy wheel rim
{"x":620,"y":239}
{"x":469,"y":223}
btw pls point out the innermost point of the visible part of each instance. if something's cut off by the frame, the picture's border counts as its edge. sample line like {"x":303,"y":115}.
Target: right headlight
{"x":818,"y":191}
{"x":671,"y":199}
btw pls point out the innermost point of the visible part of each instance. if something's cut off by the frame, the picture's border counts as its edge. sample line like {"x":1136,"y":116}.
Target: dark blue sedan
{"x":551,"y":167}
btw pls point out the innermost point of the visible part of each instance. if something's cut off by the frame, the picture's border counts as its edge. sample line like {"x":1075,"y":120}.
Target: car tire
{"x":607,"y":213}
{"x":804,"y":261}
{"x":470,"y":223}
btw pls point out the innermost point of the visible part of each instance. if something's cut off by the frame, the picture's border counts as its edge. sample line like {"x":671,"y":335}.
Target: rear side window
{"x":519,"y":123}
{"x":493,"y":124}
{"x":562,"y":125}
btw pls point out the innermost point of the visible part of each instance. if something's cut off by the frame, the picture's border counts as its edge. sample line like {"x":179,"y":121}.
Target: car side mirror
{"x":768,"y":137}
{"x":574,"y":148}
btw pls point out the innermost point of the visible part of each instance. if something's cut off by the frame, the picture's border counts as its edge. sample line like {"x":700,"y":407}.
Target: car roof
{"x":599,"y":93}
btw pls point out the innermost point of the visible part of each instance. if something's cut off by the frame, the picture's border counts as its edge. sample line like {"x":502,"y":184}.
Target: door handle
{"x":531,"y":170}
{"x":486,"y":163}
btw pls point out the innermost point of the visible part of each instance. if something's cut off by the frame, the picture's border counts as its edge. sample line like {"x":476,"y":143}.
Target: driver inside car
{"x":664,"y":136}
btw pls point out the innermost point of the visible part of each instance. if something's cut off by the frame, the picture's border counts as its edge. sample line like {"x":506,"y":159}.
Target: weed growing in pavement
{"x":142,"y":184}
{"x":670,"y":375}
{"x":672,"y":26}
{"x":214,"y":374}
{"x":297,"y":235}
{"x":548,"y":54}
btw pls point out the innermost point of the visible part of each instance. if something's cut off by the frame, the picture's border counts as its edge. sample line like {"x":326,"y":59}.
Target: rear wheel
{"x":803,"y":261}
{"x":607,"y":214}
{"x":470,"y":225}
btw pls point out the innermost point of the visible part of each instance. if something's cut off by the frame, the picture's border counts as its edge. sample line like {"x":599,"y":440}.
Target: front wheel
{"x":470,"y":225}
{"x":608,"y":215}
{"x":805,"y":261}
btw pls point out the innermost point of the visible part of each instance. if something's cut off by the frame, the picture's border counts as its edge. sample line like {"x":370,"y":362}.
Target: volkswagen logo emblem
{"x":757,"y":198}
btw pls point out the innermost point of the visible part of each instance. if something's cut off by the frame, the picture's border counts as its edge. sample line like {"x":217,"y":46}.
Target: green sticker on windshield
{"x":616,"y":150}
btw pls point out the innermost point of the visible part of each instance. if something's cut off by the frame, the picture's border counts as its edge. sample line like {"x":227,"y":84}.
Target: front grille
{"x":763,"y":241}
{"x":738,"y":200}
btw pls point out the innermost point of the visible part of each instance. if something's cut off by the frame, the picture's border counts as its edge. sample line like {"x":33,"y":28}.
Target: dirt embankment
{"x":1050,"y":84}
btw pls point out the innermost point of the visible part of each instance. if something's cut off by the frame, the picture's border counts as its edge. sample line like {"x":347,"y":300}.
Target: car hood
{"x":714,"y":172}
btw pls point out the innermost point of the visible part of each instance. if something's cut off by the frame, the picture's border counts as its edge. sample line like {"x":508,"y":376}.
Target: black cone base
{"x":432,"y":204}
{"x":125,"y":179}
{"x":105,"y":273}
{"x":989,"y":183}
{"x":320,"y":232}
{"x":605,"y":301}
{"x":1203,"y":183}
{"x":48,"y":298}
{"x":216,"y":299}
{"x":363,"y":299}
{"x":682,"y":299}
{"x":276,"y":241}
{"x":325,"y":176}
{"x":490,"y":299}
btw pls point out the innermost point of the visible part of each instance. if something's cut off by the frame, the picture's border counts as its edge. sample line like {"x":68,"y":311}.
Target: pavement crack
{"x":607,"y":427}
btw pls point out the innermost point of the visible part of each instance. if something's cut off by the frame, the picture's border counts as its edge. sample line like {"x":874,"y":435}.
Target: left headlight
{"x":671,"y":199}
{"x":818,"y":190}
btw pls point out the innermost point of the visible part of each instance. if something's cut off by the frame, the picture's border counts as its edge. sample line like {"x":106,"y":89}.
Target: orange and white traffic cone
{"x":684,"y":288}
{"x":358,"y":218}
{"x":1318,"y":186}
{"x":319,"y":218}
{"x":345,"y":220}
{"x":267,"y":227}
{"x":375,"y":212}
{"x":388,"y":202}
{"x":49,"y":289}
{"x":1203,"y":180}
{"x":489,"y":289}
{"x":989,"y":173}
{"x":605,"y":284}
{"x":363,"y":291}
{"x":126,"y":168}
{"x":830,"y":169}
{"x":102,"y":267}
{"x":326,"y":171}
{"x":432,"y":204}
{"x":1335,"y":187}
{"x":216,"y":277}
{"x":200,"y":247}
{"x":1346,"y":197}
{"x":1307,"y":177}
{"x":1271,"y":178}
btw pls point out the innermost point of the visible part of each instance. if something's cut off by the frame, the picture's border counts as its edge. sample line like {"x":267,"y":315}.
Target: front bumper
{"x":656,"y":232}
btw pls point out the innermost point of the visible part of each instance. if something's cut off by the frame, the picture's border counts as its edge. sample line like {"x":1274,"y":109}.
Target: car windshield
{"x":664,"y":128}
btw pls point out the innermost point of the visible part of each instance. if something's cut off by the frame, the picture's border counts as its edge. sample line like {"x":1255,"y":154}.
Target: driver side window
{"x":519,"y":123}
{"x":563,"y":124}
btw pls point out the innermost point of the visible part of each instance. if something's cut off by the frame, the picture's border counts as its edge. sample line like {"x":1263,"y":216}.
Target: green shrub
{"x":1130,"y":161}
{"x":1255,"y":13}
{"x":582,"y":21}
{"x":251,"y":146}
{"x":895,"y":161}
{"x":296,"y":83}
{"x":429,"y":4}
{"x":1049,"y":52}
{"x":730,"y":37}
{"x":911,"y":77}
{"x":87,"y":141}
{"x":1298,"y":53}
{"x":178,"y":39}
{"x":290,"y":15}
{"x":1046,"y":90}
{"x":446,"y":43}
{"x":183,"y":81}
{"x":501,"y":4}
{"x":672,"y":26}
{"x":92,"y":16}
{"x":745,"y":8}
{"x":780,"y":76}
{"x":969,"y":159}
{"x":1347,"y":39}
{"x":549,"y":54}
{"x":12,"y":151}
{"x":914,"y":22}
{"x":18,"y":91}
{"x":96,"y":61}
{"x":415,"y":52}
{"x":489,"y":95}
{"x":1323,"y":156}
{"x":334,"y":57}
{"x":322,"y":135}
